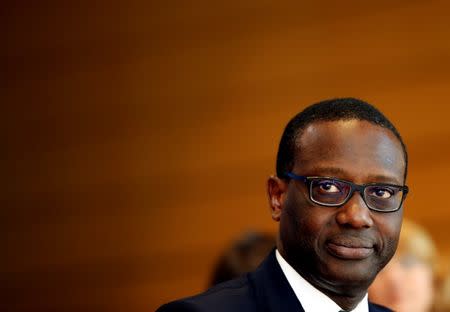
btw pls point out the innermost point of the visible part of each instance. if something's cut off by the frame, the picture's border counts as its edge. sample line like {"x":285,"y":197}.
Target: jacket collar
{"x":272,"y":290}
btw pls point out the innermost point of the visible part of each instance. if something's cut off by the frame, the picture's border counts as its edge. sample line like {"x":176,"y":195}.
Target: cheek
{"x":293,"y":211}
{"x":310,"y":221}
{"x":420,"y":279}
{"x":388,"y":226}
{"x":301,"y":222}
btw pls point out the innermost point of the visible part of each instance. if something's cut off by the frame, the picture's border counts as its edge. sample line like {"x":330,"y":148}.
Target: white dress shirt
{"x":312,"y":299}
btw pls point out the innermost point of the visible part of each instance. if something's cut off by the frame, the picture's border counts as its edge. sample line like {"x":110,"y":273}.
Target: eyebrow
{"x":330,"y":170}
{"x":375,"y":177}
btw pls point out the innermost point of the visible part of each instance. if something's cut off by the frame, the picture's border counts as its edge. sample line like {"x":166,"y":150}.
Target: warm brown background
{"x":138,"y":136}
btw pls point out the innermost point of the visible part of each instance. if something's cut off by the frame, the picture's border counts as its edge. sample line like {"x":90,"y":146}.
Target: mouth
{"x":350,"y":248}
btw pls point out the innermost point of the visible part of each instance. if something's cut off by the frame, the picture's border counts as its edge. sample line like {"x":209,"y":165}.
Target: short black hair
{"x":329,"y":110}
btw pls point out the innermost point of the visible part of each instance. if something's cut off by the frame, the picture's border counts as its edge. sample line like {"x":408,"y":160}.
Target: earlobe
{"x":276,"y":190}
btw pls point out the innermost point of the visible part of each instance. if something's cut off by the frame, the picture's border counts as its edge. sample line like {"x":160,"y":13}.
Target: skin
{"x":405,"y":285}
{"x":339,"y":250}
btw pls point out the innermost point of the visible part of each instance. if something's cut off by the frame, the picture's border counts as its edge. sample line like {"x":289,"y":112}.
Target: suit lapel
{"x":272,"y":290}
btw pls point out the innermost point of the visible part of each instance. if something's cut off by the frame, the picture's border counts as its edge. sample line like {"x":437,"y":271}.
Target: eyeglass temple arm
{"x":294,"y":176}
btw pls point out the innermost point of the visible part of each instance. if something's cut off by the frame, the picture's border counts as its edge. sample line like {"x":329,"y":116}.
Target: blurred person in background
{"x":443,"y":298}
{"x":243,"y":256}
{"x":408,"y":282}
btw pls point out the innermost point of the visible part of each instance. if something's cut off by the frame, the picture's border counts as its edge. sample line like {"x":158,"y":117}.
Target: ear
{"x":276,"y":190}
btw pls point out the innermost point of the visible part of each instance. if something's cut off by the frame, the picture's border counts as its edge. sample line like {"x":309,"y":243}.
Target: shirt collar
{"x":312,"y":299}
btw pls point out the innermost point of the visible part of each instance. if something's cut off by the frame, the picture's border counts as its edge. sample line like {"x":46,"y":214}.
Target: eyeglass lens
{"x":332,"y":192}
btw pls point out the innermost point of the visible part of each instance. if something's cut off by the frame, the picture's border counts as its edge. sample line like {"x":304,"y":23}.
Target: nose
{"x":355,"y":213}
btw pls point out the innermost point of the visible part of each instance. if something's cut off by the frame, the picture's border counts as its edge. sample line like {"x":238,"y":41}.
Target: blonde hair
{"x":415,"y":241}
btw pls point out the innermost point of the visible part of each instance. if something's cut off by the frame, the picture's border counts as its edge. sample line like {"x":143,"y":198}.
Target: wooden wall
{"x":139,"y":135}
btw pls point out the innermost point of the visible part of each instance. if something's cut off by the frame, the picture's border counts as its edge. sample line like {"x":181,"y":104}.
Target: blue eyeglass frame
{"x":354,"y":187}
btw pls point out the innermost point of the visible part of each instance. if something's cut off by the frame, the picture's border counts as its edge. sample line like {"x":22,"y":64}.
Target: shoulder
{"x":373,"y":307}
{"x":234,"y":295}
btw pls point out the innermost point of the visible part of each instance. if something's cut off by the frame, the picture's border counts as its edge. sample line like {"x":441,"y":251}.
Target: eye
{"x":329,"y":187}
{"x":382,"y":192}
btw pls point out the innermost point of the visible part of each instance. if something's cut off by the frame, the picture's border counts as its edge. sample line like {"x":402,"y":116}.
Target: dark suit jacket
{"x":264,"y":290}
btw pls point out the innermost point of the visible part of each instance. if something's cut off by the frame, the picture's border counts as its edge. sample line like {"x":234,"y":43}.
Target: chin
{"x":351,"y":274}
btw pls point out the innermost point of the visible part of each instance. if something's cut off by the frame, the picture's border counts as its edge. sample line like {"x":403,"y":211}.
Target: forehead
{"x":352,"y":149}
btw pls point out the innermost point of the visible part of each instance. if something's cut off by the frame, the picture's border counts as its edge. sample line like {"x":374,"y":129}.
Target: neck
{"x":345,"y":296}
{"x":346,"y":303}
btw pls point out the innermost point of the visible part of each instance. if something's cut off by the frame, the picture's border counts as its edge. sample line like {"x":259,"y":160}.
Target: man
{"x":337,"y":195}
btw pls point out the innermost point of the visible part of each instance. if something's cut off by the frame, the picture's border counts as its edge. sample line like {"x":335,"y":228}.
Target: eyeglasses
{"x":334,"y":192}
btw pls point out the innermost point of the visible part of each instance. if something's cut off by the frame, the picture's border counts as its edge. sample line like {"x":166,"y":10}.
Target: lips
{"x":350,"y":248}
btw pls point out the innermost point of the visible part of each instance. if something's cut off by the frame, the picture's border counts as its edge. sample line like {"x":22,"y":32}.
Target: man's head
{"x":329,"y":110}
{"x":336,"y":239}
